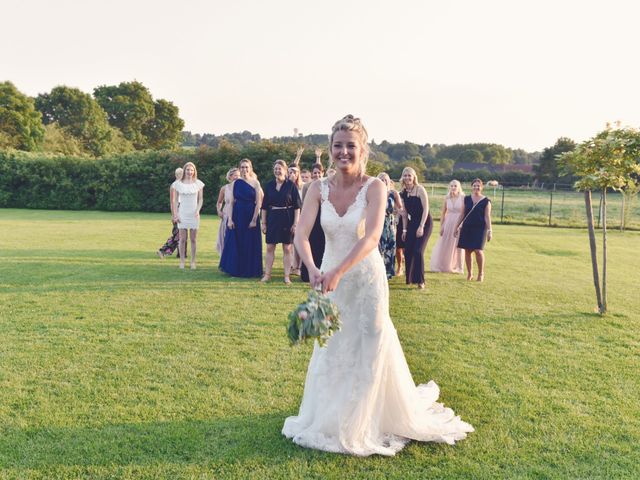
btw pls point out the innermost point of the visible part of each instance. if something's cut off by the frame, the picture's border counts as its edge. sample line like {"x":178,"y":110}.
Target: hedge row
{"x":139,"y":181}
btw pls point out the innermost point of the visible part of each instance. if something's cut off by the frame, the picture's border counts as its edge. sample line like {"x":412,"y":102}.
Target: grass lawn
{"x":531,"y":207}
{"x":115,"y":364}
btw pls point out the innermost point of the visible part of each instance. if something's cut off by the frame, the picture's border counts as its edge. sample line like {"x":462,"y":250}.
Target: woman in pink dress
{"x":446,"y":256}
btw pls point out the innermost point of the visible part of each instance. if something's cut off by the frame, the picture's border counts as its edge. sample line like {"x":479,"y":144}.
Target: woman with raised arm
{"x":446,"y":256}
{"x":316,"y":237}
{"x":416,"y":226}
{"x":359,"y":397}
{"x":242,"y":254}
{"x":295,"y":176}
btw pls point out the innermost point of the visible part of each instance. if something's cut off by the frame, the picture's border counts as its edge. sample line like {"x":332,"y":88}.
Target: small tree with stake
{"x":608,"y":161}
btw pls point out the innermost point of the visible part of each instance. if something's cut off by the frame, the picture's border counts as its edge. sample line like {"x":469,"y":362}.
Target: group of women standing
{"x":465,"y":223}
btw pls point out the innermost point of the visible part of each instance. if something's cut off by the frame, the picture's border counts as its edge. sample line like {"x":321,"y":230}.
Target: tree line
{"x":437,"y":160}
{"x":118,"y":119}
{"x":115,"y":119}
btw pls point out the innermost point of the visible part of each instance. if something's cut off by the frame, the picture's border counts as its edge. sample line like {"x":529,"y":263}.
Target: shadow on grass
{"x":229,"y":440}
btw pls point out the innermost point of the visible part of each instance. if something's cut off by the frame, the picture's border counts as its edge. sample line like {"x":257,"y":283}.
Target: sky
{"x":514,"y":72}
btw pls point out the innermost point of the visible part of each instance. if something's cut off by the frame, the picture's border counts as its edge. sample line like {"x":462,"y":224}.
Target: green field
{"x":116,"y":364}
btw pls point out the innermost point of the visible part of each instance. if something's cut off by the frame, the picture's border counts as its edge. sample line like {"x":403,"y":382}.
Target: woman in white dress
{"x":223,"y":206}
{"x":187,"y":211}
{"x":446,"y":256}
{"x":359,"y":396}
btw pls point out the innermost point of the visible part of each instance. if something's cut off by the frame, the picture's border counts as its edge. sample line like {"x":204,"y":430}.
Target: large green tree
{"x":549,"y":169}
{"x":129,"y":107}
{"x":608,"y":161}
{"x":20,"y":123}
{"x":78,"y":114}
{"x":164,"y":130}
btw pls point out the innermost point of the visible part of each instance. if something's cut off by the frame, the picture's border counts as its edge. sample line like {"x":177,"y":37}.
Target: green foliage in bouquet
{"x":317,"y":318}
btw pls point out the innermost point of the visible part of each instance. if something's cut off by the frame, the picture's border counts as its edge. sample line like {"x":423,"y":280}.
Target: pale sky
{"x":518,"y":73}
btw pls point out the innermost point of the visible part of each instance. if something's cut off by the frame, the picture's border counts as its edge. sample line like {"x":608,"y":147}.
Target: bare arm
{"x":460,"y":220}
{"x":487,"y":221}
{"x":220,"y":201}
{"x":442,"y":215}
{"x":310,"y":209}
{"x":173,"y":199}
{"x":263,"y":214}
{"x":230,"y":218}
{"x":199,"y":206}
{"x":374,"y":222}
{"x":398,"y":201}
{"x":405,"y":221}
{"x":259,"y":197}
{"x":422,"y":193}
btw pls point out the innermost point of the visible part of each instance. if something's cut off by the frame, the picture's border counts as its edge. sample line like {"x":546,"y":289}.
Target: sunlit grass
{"x":116,"y":364}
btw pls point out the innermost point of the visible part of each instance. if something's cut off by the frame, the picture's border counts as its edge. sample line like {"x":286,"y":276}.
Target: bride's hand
{"x":330,"y":281}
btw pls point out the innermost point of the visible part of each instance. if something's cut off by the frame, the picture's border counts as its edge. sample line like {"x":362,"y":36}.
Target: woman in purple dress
{"x":416,"y":226}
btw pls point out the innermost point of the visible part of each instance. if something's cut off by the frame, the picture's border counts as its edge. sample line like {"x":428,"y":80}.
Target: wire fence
{"x":558,"y":206}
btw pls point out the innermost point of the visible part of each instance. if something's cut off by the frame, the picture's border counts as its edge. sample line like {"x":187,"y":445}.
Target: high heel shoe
{"x":265,"y":278}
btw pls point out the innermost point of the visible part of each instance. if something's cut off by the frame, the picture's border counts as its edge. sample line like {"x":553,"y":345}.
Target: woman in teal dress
{"x":387,"y":244}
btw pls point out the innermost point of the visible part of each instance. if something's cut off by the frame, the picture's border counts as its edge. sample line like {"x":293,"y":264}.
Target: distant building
{"x":493,"y":168}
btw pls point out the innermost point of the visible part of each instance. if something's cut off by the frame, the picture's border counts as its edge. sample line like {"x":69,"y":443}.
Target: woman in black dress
{"x":316,"y":237}
{"x":474,"y":227}
{"x":416,"y":226}
{"x":280,"y":212}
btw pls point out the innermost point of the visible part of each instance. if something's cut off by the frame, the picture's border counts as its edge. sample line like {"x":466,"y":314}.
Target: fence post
{"x":502,"y":205}
{"x":550,"y":205}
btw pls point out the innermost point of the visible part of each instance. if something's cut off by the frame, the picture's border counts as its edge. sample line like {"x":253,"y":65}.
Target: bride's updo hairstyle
{"x":349,"y":123}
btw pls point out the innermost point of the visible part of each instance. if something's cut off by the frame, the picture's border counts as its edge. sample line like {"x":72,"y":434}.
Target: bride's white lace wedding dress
{"x":359,"y":396}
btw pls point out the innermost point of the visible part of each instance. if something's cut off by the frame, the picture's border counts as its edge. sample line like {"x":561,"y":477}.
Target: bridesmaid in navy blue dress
{"x":417,"y":226}
{"x":242,"y":254}
{"x":474,"y":228}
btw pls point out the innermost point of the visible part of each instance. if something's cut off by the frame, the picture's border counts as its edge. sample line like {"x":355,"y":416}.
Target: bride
{"x":359,"y":396}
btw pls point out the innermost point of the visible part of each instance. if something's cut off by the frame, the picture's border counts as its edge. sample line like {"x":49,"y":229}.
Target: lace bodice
{"x":341,"y":232}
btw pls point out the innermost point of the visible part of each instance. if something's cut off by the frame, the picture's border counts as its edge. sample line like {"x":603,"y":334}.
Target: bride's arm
{"x":310,"y":209}
{"x":376,"y":204}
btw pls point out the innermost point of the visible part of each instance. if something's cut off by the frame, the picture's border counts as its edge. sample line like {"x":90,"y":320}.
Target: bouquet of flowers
{"x":317,"y":318}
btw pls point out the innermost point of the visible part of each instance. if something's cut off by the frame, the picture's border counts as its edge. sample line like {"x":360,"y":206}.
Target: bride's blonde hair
{"x":349,"y":123}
